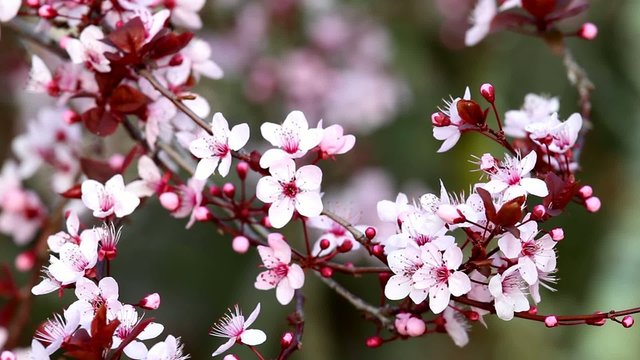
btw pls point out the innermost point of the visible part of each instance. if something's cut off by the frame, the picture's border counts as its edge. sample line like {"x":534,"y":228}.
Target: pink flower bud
{"x":377,"y":250}
{"x":627,"y":321}
{"x":324,"y":244}
{"x":488,"y":163}
{"x":488,"y":92}
{"x":215,"y":190}
{"x":47,"y":12}
{"x":266,"y":222}
{"x":25,"y":261}
{"x":557,"y":234}
{"x":240,"y":244}
{"x":286,"y":340}
{"x":450,"y":214}
{"x":230,"y":357}
{"x":242,"y":169}
{"x":585,"y":192}
{"x":415,"y":327}
{"x":370,"y":233}
{"x":593,"y":204}
{"x":472,"y":315}
{"x":326,"y":272}
{"x":400,"y":323}
{"x":551,"y":321}
{"x":7,"y":355}
{"x":33,"y":3}
{"x":150,"y":302}
{"x":116,"y":161}
{"x":169,"y":200}
{"x":229,"y":190}
{"x":176,"y":60}
{"x":203,"y":214}
{"x":374,"y":341}
{"x":439,"y":119}
{"x":533,"y":310}
{"x":588,"y":31}
{"x":539,"y":211}
{"x":71,"y":117}
{"x":346,"y":246}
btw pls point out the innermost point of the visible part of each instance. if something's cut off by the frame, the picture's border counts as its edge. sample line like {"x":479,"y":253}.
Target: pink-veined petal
{"x":296,"y":276}
{"x":252,"y":317}
{"x":224,"y":347}
{"x":398,"y":287}
{"x":535,"y":186}
{"x":239,"y":136}
{"x":528,"y":270}
{"x":268,"y":189}
{"x":281,"y":249}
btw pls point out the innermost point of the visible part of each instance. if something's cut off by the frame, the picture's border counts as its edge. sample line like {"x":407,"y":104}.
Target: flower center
{"x":290,"y":189}
{"x":529,"y":248}
{"x":281,"y":270}
{"x":441,"y":274}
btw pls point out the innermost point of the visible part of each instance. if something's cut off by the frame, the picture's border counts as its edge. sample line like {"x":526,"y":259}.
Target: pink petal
{"x":225,"y":165}
{"x":253,"y":337}
{"x":125,"y":203}
{"x":252,"y":317}
{"x":452,"y":257}
{"x":528,"y":270}
{"x":284,"y":170}
{"x":109,"y":288}
{"x":398,"y":287}
{"x":284,"y":292}
{"x":510,"y":246}
{"x":308,"y":203}
{"x":135,"y":350}
{"x":268,"y":189}
{"x":200,"y":147}
{"x":272,"y":157}
{"x":535,"y":187}
{"x":459,"y":283}
{"x":309,"y":177}
{"x":266,"y":280}
{"x":528,"y":163}
{"x":281,"y":211}
{"x":151,"y":331}
{"x":281,"y":250}
{"x":296,"y":276}
{"x":239,"y":136}
{"x":224,"y":347}
{"x":90,"y":190}
{"x":206,"y":167}
{"x":271,"y":133}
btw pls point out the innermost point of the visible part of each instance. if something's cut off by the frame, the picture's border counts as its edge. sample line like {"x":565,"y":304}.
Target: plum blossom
{"x":512,"y":177}
{"x":508,"y":290}
{"x":293,"y":139}
{"x":235,"y":327}
{"x":533,"y":254}
{"x":9,"y":9}
{"x":22,"y":211}
{"x":394,"y":211}
{"x":129,"y":319}
{"x":110,"y":198}
{"x":169,"y":349}
{"x":334,"y":142}
{"x":189,"y":199}
{"x":74,"y":261}
{"x":185,"y":13}
{"x":557,"y":136}
{"x":194,"y":60}
{"x":214,"y":150}
{"x":450,"y":131}
{"x":57,"y":330}
{"x":90,"y":49}
{"x":456,"y":326}
{"x":440,"y":277}
{"x":481,"y":17}
{"x":404,"y":263}
{"x":72,"y":235}
{"x":288,"y":190}
{"x":40,"y":78}
{"x":47,"y":285}
{"x":536,"y":109}
{"x":92,"y":296}
{"x":418,"y":229}
{"x":281,"y":273}
{"x":150,"y":182}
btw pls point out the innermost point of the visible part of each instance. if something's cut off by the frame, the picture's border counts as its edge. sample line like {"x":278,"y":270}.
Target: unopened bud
{"x":450,"y":214}
{"x":472,"y":315}
{"x":551,"y":321}
{"x":593,"y":204}
{"x":598,"y":321}
{"x":266,"y":222}
{"x":230,"y":357}
{"x":533,"y":310}
{"x":215,"y":190}
{"x":439,"y":119}
{"x":33,"y":3}
{"x":176,"y":60}
{"x":324,"y":244}
{"x":25,"y":261}
{"x":415,"y":327}
{"x":557,"y":234}
{"x":203,"y":214}
{"x":400,"y":323}
{"x":470,"y":112}
{"x":370,"y":233}
{"x":7,"y":355}
{"x":488,"y":92}
{"x":169,"y":200}
{"x":377,"y":250}
{"x":374,"y":342}
{"x":229,"y":190}
{"x":286,"y":340}
{"x":242,"y":169}
{"x":539,"y":211}
{"x":346,"y":246}
{"x":47,"y":12}
{"x":150,"y":302}
{"x":71,"y":117}
{"x":585,"y":192}
{"x":116,"y":161}
{"x":326,"y":272}
{"x":240,"y":244}
{"x":627,"y":321}
{"x":588,"y":31}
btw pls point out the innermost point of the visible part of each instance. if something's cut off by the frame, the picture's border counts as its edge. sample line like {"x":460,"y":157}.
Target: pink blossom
{"x":216,"y":149}
{"x":456,"y":326}
{"x":334,"y":233}
{"x":150,"y":178}
{"x":236,"y":328}
{"x":440,"y":277}
{"x":281,"y":273}
{"x":90,"y":49}
{"x":169,"y":349}
{"x":110,"y":198}
{"x":418,"y":229}
{"x":185,"y":13}
{"x":536,"y":109}
{"x":190,"y":198}
{"x":72,"y":235}
{"x":404,"y":263}
{"x":512,"y":178}
{"x":450,"y":133}
{"x":129,"y":319}
{"x":293,"y":139}
{"x":57,"y":330}
{"x":508,"y":290}
{"x":334,"y":142}
{"x":40,"y":78}
{"x":481,"y":17}
{"x":195,"y":60}
{"x":288,"y":190}
{"x":558,"y":137}
{"x":91,"y":296}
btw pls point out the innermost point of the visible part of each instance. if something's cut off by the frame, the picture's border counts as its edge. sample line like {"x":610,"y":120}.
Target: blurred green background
{"x":199,"y":276}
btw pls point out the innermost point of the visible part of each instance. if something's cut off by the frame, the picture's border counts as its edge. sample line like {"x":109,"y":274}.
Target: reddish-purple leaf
{"x":127,"y":100}
{"x":129,"y":37}
{"x":100,"y":122}
{"x":97,"y":170}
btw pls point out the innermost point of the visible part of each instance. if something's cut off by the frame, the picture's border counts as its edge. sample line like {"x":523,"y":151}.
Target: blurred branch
{"x":25,"y":29}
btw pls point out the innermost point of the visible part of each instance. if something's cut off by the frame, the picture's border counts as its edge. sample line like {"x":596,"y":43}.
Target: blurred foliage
{"x":199,"y":276}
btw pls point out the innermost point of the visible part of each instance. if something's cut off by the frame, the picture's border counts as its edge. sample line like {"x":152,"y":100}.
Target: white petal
{"x":280,"y":212}
{"x":528,"y":270}
{"x":459,"y":283}
{"x":224,"y":347}
{"x":253,"y":316}
{"x":270,"y":132}
{"x":271,"y":157}
{"x":295,"y":276}
{"x":151,"y":331}
{"x":452,"y":257}
{"x":239,"y":136}
{"x":504,"y":309}
{"x":206,"y":167}
{"x":268,"y":189}
{"x":200,"y":147}
{"x":495,"y":186}
{"x":284,"y":292}
{"x":115,"y":184}
{"x":309,"y":203}
{"x":510,"y":246}
{"x":253,"y":337}
{"x":309,"y":177}
{"x":225,"y":165}
{"x":284,"y":171}
{"x":528,"y":163}
{"x":90,"y":190}
{"x":439,"y":297}
{"x":535,"y":187}
{"x":398,"y":287}
{"x":125,"y":203}
{"x":135,"y":350}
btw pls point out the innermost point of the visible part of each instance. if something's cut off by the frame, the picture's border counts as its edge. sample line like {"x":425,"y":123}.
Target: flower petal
{"x":253,"y":337}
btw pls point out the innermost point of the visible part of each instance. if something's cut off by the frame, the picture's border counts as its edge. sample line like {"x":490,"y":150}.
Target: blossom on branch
{"x":281,"y":273}
{"x":293,"y":139}
{"x":112,"y":198}
{"x":235,"y":327}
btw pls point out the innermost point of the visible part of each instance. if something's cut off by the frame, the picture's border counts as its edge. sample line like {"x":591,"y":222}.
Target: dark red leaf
{"x":510,"y":212}
{"x":97,"y":170}
{"x":507,"y":20}
{"x":539,"y":8}
{"x":129,"y":37}
{"x":169,"y":44}
{"x":489,"y":208}
{"x":73,"y":192}
{"x":470,"y":112}
{"x":100,"y":122}
{"x":132,"y":336}
{"x":107,"y":82}
{"x":561,"y":192}
{"x":127,"y":100}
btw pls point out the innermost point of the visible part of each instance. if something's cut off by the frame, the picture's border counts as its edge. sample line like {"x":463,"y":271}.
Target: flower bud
{"x":229,"y":190}
{"x":374,"y":341}
{"x":450,"y":214}
{"x":346,"y":246}
{"x":240,"y":244}
{"x":176,"y":60}
{"x":627,"y":321}
{"x":215,"y":190}
{"x":286,"y":340}
{"x":533,"y":310}
{"x":539,"y":8}
{"x":488,"y":92}
{"x":557,"y":234}
{"x":472,"y":315}
{"x":150,"y":302}
{"x":470,"y":112}
{"x":439,"y":119}
{"x":593,"y":204}
{"x":539,"y":211}
{"x":32,"y":3}
{"x":25,"y":261}
{"x":169,"y":200}
{"x":7,"y":355}
{"x":551,"y":321}
{"x":588,"y":31}
{"x":71,"y":117}
{"x":377,"y":250}
{"x":266,"y":222}
{"x":585,"y":192}
{"x":599,"y":321}
{"x":370,"y":233}
{"x":116,"y":161}
{"x":415,"y":327}
{"x":203,"y":214}
{"x":326,"y":272}
{"x":242,"y":169}
{"x":47,"y":12}
{"x":324,"y":244}
{"x":400,"y":323}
